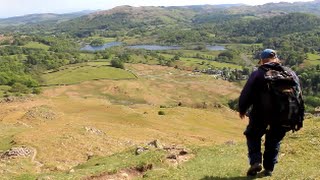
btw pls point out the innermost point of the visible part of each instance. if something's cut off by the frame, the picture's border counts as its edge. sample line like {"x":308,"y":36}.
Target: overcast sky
{"x":9,"y":8}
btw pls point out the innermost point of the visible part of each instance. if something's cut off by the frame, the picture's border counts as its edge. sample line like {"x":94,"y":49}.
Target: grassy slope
{"x":80,"y":73}
{"x":37,"y":45}
{"x":200,"y":63}
{"x":298,"y":160}
{"x":312,"y":59}
{"x":3,"y":89}
{"x":127,"y":112}
{"x":194,"y":62}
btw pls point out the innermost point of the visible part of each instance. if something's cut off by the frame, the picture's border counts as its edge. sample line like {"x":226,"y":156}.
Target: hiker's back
{"x":281,"y":97}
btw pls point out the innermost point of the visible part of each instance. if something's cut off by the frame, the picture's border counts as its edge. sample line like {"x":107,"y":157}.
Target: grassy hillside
{"x":37,"y":45}
{"x":90,"y":130}
{"x":104,"y":117}
{"x":85,"y":72}
{"x":312,"y":60}
{"x":41,"y":18}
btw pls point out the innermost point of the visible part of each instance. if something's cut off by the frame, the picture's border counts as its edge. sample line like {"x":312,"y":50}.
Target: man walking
{"x":273,"y":93}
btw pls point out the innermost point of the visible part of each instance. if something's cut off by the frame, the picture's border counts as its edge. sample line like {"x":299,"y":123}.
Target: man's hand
{"x":242,"y":116}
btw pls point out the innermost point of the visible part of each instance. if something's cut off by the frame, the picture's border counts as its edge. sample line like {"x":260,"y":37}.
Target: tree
{"x":117,"y":63}
{"x":19,"y":88}
{"x":97,"y":42}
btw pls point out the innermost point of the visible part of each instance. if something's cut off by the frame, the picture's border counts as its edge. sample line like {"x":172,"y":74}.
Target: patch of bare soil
{"x":176,"y":155}
{"x":125,"y":174}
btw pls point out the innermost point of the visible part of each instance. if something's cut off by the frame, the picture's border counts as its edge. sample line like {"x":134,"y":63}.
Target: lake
{"x":100,"y":48}
{"x":215,"y":48}
{"x":147,"y":47}
{"x":154,"y":47}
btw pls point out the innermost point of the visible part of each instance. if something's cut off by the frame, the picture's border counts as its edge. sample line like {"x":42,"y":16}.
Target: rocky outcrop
{"x":175,"y":154}
{"x":17,"y":152}
{"x":93,"y":130}
{"x":43,"y":112}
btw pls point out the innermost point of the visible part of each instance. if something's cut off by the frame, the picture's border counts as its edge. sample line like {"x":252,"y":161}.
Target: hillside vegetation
{"x":65,"y":124}
{"x":84,"y":72}
{"x":123,"y":113}
{"x":40,"y":18}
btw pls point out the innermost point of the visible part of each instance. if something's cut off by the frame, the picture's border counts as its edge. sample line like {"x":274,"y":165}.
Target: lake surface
{"x":215,"y":48}
{"x":154,"y":47}
{"x":100,"y":48}
{"x":147,"y":47}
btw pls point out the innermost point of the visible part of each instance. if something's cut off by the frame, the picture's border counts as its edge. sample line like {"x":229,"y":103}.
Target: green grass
{"x":37,"y":45}
{"x":4,"y":89}
{"x":141,"y":59}
{"x":221,"y":161}
{"x":98,"y":63}
{"x":312,"y":59}
{"x":26,"y":177}
{"x":111,"y":164}
{"x":81,"y":73}
{"x":5,"y":143}
{"x":241,"y":45}
{"x":6,"y":135}
{"x":192,"y":53}
{"x":298,"y":160}
{"x":87,"y":56}
{"x":201,"y":64}
{"x":105,"y":39}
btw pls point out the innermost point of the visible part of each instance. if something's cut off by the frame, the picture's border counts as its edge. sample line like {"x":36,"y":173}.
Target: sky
{"x":10,"y":8}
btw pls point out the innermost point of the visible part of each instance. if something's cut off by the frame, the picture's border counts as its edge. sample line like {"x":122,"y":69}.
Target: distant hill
{"x":180,"y":24}
{"x":268,"y":9}
{"x":271,"y":9}
{"x":225,"y":19}
{"x":124,"y":18}
{"x":279,"y":25}
{"x":41,"y":18}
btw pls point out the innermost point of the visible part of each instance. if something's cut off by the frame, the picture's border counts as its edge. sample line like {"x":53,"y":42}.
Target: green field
{"x":87,"y":56}
{"x":105,"y":39}
{"x":201,"y":64}
{"x":189,"y":61}
{"x":37,"y":45}
{"x":3,"y":89}
{"x":193,"y":53}
{"x":86,"y":72}
{"x":239,"y":46}
{"x":312,"y":59}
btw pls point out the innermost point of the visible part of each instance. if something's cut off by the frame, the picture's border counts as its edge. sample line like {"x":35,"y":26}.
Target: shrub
{"x":117,"y":63}
{"x":19,"y":88}
{"x":36,"y":90}
{"x":161,"y":113}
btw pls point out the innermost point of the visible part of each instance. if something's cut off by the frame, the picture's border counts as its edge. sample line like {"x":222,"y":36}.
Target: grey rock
{"x":156,"y":143}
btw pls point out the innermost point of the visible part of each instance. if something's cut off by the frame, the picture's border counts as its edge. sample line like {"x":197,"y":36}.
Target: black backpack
{"x":283,"y":97}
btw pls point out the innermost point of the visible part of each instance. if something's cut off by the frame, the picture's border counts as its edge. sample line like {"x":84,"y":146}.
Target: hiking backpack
{"x":283,"y":94}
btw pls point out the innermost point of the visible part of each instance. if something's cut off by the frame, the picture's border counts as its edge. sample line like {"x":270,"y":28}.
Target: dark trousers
{"x":273,"y":137}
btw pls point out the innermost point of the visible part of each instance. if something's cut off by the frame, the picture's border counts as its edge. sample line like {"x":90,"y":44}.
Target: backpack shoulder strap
{"x":264,"y":68}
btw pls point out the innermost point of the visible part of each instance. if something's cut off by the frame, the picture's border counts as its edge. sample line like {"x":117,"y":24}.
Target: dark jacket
{"x":253,"y":95}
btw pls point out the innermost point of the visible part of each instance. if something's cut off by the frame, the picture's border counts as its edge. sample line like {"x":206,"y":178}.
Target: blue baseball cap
{"x":268,"y":53}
